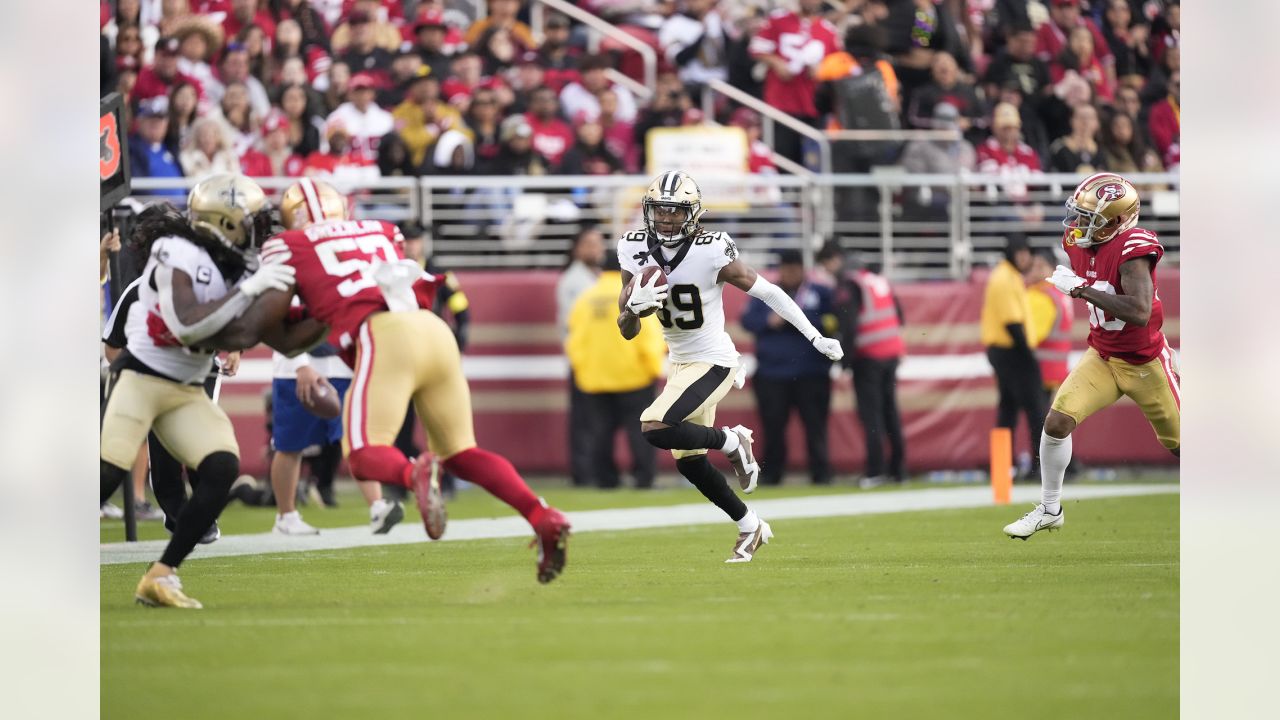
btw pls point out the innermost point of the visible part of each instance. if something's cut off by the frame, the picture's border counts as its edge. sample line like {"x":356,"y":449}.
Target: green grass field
{"x":908,"y":615}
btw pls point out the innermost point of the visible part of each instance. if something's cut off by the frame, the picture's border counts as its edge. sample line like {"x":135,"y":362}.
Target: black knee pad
{"x":218,"y":471}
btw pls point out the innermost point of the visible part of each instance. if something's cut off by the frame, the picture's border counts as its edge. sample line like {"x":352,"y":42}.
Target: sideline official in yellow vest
{"x":618,"y":378}
{"x":1006,"y":313}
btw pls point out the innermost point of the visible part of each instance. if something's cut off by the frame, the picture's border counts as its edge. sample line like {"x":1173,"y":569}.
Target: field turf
{"x":907,"y":615}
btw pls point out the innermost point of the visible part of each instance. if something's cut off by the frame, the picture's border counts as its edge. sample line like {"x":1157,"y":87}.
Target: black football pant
{"x":811,"y":398}
{"x":789,"y":143}
{"x":1021,"y":391}
{"x":875,"y":387}
{"x":581,"y":458}
{"x":605,"y":414}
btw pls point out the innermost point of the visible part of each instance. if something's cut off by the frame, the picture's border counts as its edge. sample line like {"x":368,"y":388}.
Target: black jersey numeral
{"x":688,"y":299}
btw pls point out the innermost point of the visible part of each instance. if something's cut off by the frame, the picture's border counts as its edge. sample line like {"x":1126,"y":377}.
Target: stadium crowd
{"x":358,"y":89}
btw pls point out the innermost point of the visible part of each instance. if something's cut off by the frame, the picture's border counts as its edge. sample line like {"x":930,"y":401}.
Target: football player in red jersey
{"x":1113,"y":268}
{"x":352,"y":276}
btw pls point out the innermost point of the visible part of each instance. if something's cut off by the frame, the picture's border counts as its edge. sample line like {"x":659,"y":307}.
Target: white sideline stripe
{"x":556,"y":367}
{"x":625,"y":519}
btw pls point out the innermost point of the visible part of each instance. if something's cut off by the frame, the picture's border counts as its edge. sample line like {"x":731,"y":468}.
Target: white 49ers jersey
{"x":693,"y":316}
{"x":148,"y":338}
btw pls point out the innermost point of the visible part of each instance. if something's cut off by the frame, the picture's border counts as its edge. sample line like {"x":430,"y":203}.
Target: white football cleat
{"x":110,"y":511}
{"x":743,"y":460}
{"x":748,"y":543}
{"x":1033,"y":522}
{"x":384,"y":515}
{"x":291,"y":523}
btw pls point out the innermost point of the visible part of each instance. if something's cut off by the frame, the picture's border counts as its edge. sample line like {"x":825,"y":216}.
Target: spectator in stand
{"x":244,"y":13}
{"x":198,"y":41}
{"x":304,"y":123}
{"x":126,"y":79}
{"x":129,"y":44}
{"x":423,"y":116}
{"x":363,"y":53}
{"x":453,"y":154}
{"x":1005,"y":154}
{"x":1078,"y":58}
{"x":1056,"y":109}
{"x":517,"y":156}
{"x":429,"y":37}
{"x":585,"y":258}
{"x":234,"y":68}
{"x":759,"y":154}
{"x":384,"y":34}
{"x":314,"y":31}
{"x":335,"y":86}
{"x":936,"y":157}
{"x":1165,"y":123}
{"x":790,"y":373}
{"x":208,"y":150}
{"x":502,"y":14}
{"x":403,"y":69}
{"x":1079,"y":152}
{"x":948,"y":88}
{"x":1128,"y":42}
{"x":466,"y":74}
{"x":581,"y":100}
{"x":619,"y":136}
{"x":172,"y":14}
{"x":276,"y":158}
{"x":1053,"y":37}
{"x":1157,"y":85}
{"x":286,"y":46}
{"x":183,"y":111}
{"x":294,"y":72}
{"x":1033,"y":129}
{"x":362,"y":118}
{"x":158,"y":79}
{"x":589,"y":155}
{"x":498,"y":50}
{"x":149,"y":156}
{"x":613,"y":379}
{"x":1124,"y":148}
{"x":1129,"y":102}
{"x":559,"y":58}
{"x":870,"y":320}
{"x":340,"y":164}
{"x":917,"y":31}
{"x":255,"y":42}
{"x":483,"y":121}
{"x":792,"y":45}
{"x":552,"y":136}
{"x":695,"y":41}
{"x":236,"y":111}
{"x":1166,"y":30}
{"x":666,"y":109}
{"x":1017,"y":62}
{"x":527,"y":76}
{"x":394,"y":158}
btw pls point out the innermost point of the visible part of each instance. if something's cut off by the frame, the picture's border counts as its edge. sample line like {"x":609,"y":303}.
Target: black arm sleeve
{"x":1019,"y":335}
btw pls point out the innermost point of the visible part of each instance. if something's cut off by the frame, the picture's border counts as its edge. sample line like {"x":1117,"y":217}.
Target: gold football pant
{"x":189,"y":424}
{"x":405,"y":356}
{"x":692,"y":392}
{"x":1096,"y":383}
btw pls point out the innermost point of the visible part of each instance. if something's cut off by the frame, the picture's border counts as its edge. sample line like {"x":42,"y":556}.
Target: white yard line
{"x":627,"y":519}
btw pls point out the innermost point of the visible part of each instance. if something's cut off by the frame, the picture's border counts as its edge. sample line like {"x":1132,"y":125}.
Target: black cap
{"x":790,"y":257}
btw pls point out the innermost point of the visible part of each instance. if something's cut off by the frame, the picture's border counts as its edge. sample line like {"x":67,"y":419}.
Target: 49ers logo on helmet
{"x":1111,"y":192}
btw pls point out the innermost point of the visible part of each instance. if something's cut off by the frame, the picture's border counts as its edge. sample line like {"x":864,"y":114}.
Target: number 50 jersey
{"x":333,"y":261}
{"x":693,"y":316}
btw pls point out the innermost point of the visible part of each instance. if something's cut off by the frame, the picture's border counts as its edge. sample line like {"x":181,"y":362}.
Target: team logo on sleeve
{"x":1111,"y":192}
{"x":730,"y":249}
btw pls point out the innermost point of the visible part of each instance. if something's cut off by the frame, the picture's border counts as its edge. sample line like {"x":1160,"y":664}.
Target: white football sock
{"x":749,"y":522}
{"x":1055,"y":456}
{"x":731,"y":442}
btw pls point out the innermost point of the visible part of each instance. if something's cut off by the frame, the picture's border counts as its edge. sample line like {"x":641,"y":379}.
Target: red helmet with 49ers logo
{"x":1102,"y":206}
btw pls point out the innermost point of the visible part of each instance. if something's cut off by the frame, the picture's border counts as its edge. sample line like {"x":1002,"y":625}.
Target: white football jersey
{"x":693,"y":316}
{"x":148,"y":338}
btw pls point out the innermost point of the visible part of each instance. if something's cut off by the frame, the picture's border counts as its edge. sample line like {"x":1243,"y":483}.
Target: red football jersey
{"x":1100,"y":265}
{"x":802,"y":42}
{"x":332,"y":259}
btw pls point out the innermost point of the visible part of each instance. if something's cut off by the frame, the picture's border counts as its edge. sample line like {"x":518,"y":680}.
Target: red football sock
{"x":497,"y":475}
{"x":382,"y":463}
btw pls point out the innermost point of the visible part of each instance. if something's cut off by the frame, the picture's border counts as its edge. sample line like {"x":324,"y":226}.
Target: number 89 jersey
{"x":332,"y":260}
{"x":693,"y":316}
{"x":1100,"y":267}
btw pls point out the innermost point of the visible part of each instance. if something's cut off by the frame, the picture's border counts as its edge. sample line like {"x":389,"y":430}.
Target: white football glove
{"x":646,"y":297}
{"x":1066,"y":280}
{"x":829,"y":347}
{"x":272,"y":276}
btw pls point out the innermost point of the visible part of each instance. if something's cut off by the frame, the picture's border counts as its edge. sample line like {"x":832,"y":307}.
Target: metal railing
{"x":600,"y":27}
{"x":914,"y":227}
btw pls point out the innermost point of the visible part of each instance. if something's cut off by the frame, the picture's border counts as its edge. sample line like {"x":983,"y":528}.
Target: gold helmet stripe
{"x":312,"y":198}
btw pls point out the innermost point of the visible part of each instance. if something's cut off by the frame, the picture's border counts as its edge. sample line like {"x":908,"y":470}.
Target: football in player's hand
{"x":324,"y":402}
{"x":646,"y":277}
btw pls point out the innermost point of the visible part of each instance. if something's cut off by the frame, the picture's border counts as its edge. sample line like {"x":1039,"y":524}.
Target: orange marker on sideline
{"x":1001,"y":465}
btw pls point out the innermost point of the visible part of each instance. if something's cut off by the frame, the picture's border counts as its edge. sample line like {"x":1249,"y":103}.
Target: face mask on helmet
{"x":672,"y":224}
{"x":1084,"y":225}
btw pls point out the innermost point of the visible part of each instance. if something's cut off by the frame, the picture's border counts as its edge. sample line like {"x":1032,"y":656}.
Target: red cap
{"x":429,"y":18}
{"x":361,"y":80}
{"x":744,"y":117}
{"x":276,"y":120}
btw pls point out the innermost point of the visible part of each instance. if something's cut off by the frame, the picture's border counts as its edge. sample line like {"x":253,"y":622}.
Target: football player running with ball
{"x":352,"y":276}
{"x":1113,"y":268}
{"x":202,"y":274}
{"x":704,"y":363}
